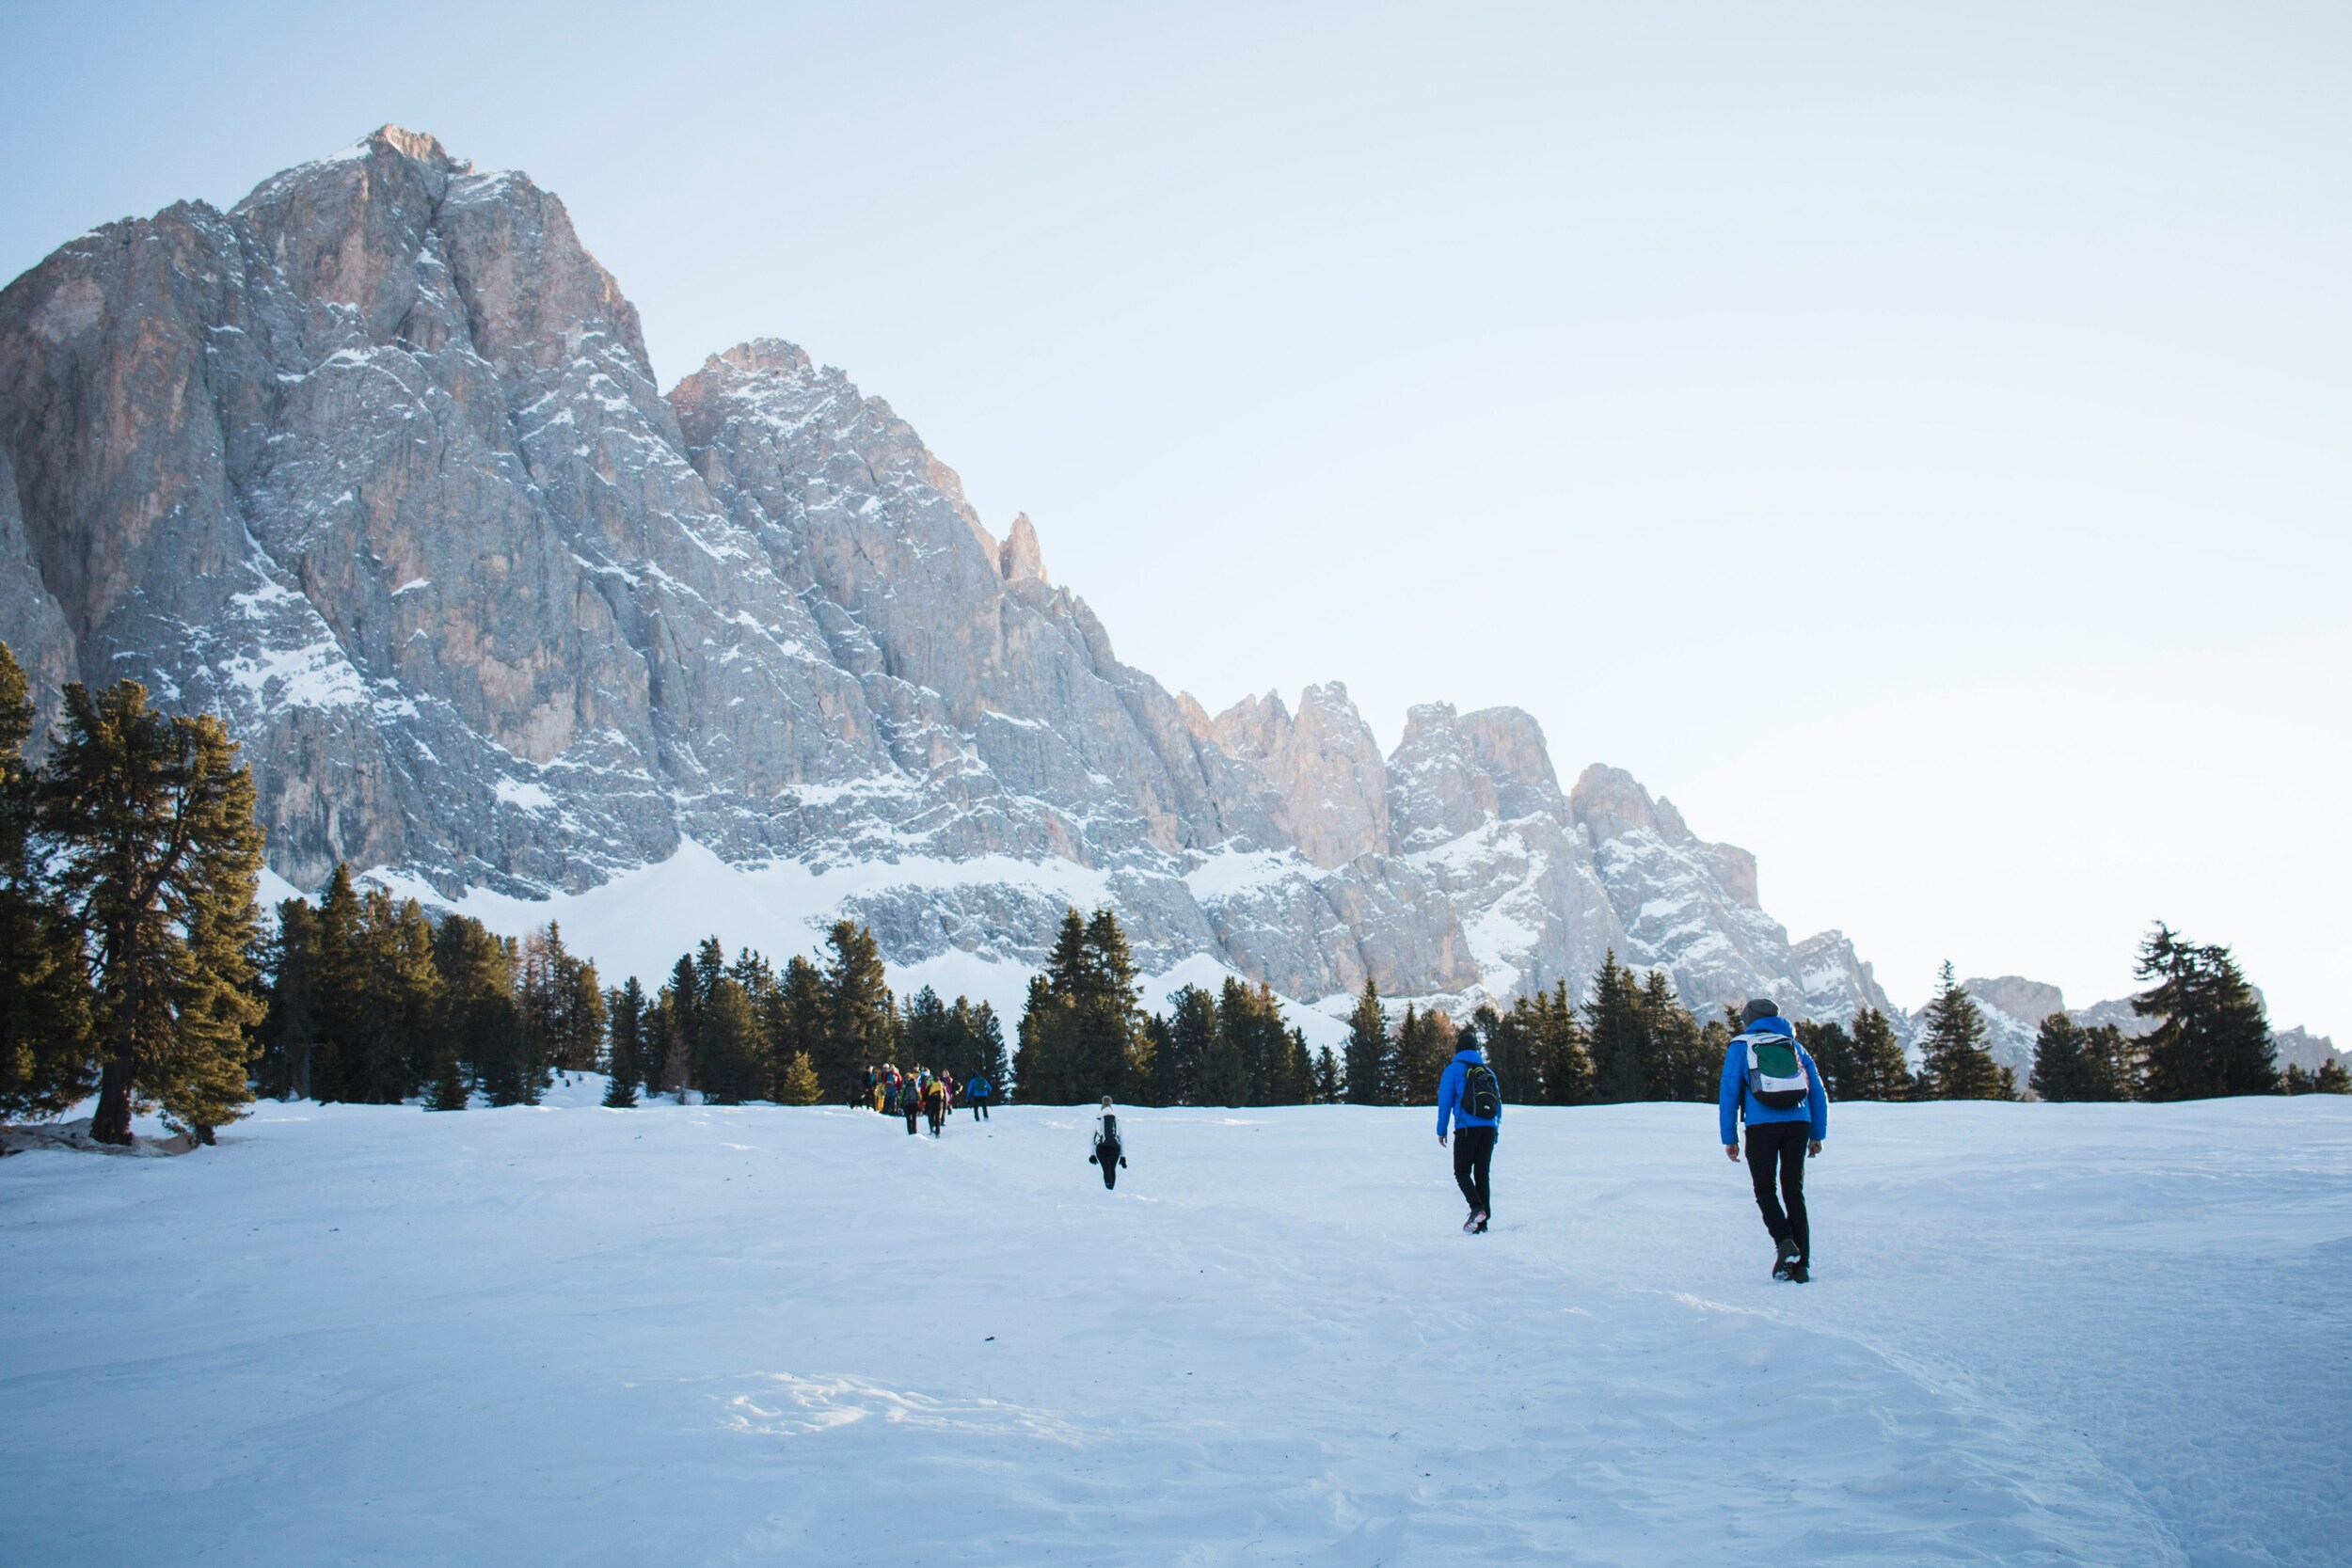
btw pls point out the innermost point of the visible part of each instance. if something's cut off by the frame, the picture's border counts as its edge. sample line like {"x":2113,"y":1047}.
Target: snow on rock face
{"x":375,"y":465}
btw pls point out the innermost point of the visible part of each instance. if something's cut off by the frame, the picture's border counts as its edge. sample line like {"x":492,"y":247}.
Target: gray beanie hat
{"x":1759,"y":1006}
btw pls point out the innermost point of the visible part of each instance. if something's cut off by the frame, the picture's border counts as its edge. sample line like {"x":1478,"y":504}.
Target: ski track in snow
{"x":702,"y":1335}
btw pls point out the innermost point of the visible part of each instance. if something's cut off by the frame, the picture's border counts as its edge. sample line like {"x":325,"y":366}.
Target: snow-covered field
{"x":350,"y":1335}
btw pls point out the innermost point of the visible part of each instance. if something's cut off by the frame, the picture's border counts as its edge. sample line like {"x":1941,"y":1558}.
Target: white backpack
{"x":1775,"y":1072}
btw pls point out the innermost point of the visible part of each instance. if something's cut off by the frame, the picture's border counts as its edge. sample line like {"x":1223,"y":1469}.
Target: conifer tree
{"x":1619,"y":1040}
{"x":2295,"y":1079}
{"x":479,"y":1016}
{"x":2212,"y":1036}
{"x":1425,"y":1043}
{"x":1879,"y":1069}
{"x":1189,"y":1064}
{"x":1109,"y":1021}
{"x":860,"y":1025}
{"x":1677,"y":1046}
{"x":448,"y":1090}
{"x":1041,"y":1064}
{"x":681,"y":1040}
{"x":2331,"y":1078}
{"x":45,"y":1042}
{"x":1511,"y":1051}
{"x":734,"y":1067}
{"x":800,"y":1085}
{"x":290,"y":1030}
{"x":1371,"y":1055}
{"x":625,"y":1013}
{"x":1562,"y":1061}
{"x":1954,"y":1063}
{"x":389,"y":1006}
{"x":1331,"y":1084}
{"x":1832,"y":1052}
{"x":2067,"y":1066}
{"x":157,"y":856}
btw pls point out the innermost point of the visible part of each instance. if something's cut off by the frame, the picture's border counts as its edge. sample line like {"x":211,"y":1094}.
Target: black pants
{"x":1106,"y":1155}
{"x":1781,"y":1145}
{"x":980,"y":1110}
{"x":911,"y":1113}
{"x":1473,"y":1152}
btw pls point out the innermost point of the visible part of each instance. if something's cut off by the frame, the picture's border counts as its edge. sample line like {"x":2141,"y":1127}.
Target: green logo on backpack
{"x":1482,"y":1093}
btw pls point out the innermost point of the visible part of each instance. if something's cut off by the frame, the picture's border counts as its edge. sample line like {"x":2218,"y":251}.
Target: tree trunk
{"x":112,"y":1124}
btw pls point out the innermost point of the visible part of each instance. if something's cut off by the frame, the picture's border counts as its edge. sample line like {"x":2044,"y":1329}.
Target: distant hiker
{"x":935,"y":1103}
{"x":976,"y":1095}
{"x":1110,"y":1151}
{"x":910,"y":1102}
{"x":1470,"y":1096}
{"x":1770,"y":1081}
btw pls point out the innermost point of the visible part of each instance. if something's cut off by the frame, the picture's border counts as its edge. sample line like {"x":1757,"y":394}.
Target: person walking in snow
{"x":1771,"y":1082}
{"x":935,"y":1103}
{"x":1110,"y":1150}
{"x":910,"y":1101}
{"x":1470,"y":1097}
{"x":976,"y":1095}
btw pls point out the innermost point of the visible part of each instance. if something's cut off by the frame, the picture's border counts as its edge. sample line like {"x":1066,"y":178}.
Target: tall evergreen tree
{"x":1041,"y":1064}
{"x":1190,"y":1065}
{"x":1561,"y":1056}
{"x":157,"y":857}
{"x":1331,"y":1081}
{"x":1619,"y":1040}
{"x":861,"y":1025}
{"x":2073,"y":1063}
{"x":45,"y":1041}
{"x":290,"y":1030}
{"x":2212,"y":1036}
{"x":795,"y":1017}
{"x":1370,"y":1054}
{"x":734,"y":1063}
{"x":1679,"y":1069}
{"x":681,"y":1004}
{"x":1954,"y":1063}
{"x":480,"y":1016}
{"x":624,"y":1028}
{"x":1425,"y":1043}
{"x":1878,"y":1069}
{"x":1832,"y":1052}
{"x":1511,"y":1050}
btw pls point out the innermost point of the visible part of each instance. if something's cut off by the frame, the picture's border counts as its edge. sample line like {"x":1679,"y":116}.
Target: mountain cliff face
{"x":375,"y":465}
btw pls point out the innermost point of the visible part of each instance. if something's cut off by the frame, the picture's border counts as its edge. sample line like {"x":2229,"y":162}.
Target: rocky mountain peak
{"x":1021,"y":559}
{"x":375,"y":467}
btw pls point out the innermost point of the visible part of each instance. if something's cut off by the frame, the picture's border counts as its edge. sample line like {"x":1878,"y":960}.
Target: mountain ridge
{"x":376,"y":465}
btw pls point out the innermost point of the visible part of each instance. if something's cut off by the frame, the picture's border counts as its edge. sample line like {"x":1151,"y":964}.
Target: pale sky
{"x":1915,"y":443}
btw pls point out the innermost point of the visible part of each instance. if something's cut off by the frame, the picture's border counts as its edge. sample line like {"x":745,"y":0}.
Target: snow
{"x":531,"y":797}
{"x":2036,"y":1334}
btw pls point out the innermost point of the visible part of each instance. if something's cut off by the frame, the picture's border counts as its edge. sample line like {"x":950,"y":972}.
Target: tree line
{"x":134,"y":964}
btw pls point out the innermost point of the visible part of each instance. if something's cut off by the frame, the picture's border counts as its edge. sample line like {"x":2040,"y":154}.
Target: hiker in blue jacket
{"x":976,"y":1095}
{"x":1470,"y":1096}
{"x":1771,"y":1080}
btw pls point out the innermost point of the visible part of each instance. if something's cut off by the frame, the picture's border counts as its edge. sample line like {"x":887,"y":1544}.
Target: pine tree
{"x":45,"y":1041}
{"x":1832,"y":1052}
{"x":1511,"y":1051}
{"x":1425,"y":1043}
{"x":448,"y":1090}
{"x":800,"y":1085}
{"x":1619,"y":1039}
{"x":1677,"y":1046}
{"x":1562,"y":1058}
{"x":1331,"y":1084}
{"x":2212,"y":1038}
{"x":479,"y":1016}
{"x":861,"y":1023}
{"x":1189,"y":1067}
{"x":1954,"y":1063}
{"x":2059,"y":1072}
{"x":625,"y":1014}
{"x":1041,"y":1064}
{"x":1109,"y":1023}
{"x":1371,"y":1055}
{"x":2331,"y":1078}
{"x":290,"y":1031}
{"x":332,"y":1066}
{"x":733,"y":1066}
{"x":795,"y":1017}
{"x":1879,"y":1071}
{"x":157,"y":857}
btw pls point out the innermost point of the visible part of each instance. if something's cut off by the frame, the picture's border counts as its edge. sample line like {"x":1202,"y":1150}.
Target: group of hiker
{"x":1770,"y":1083}
{"x":919,"y":1094}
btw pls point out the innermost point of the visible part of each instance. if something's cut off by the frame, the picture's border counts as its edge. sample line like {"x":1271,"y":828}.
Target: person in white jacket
{"x":1110,"y":1148}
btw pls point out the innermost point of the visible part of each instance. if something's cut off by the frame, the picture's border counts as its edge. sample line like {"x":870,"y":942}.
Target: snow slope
{"x":358,"y":1335}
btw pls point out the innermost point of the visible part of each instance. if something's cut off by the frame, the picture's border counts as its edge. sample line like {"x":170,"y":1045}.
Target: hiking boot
{"x":1469,"y":1225}
{"x":1798,"y":1272}
{"x":1482,"y":1222}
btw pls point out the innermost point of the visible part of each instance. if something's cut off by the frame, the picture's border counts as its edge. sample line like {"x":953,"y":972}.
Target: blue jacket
{"x":1733,"y":1101}
{"x":1449,"y":1094}
{"x":976,"y":1088}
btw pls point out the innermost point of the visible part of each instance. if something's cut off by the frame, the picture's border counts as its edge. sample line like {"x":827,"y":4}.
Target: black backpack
{"x":1482,"y":1092}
